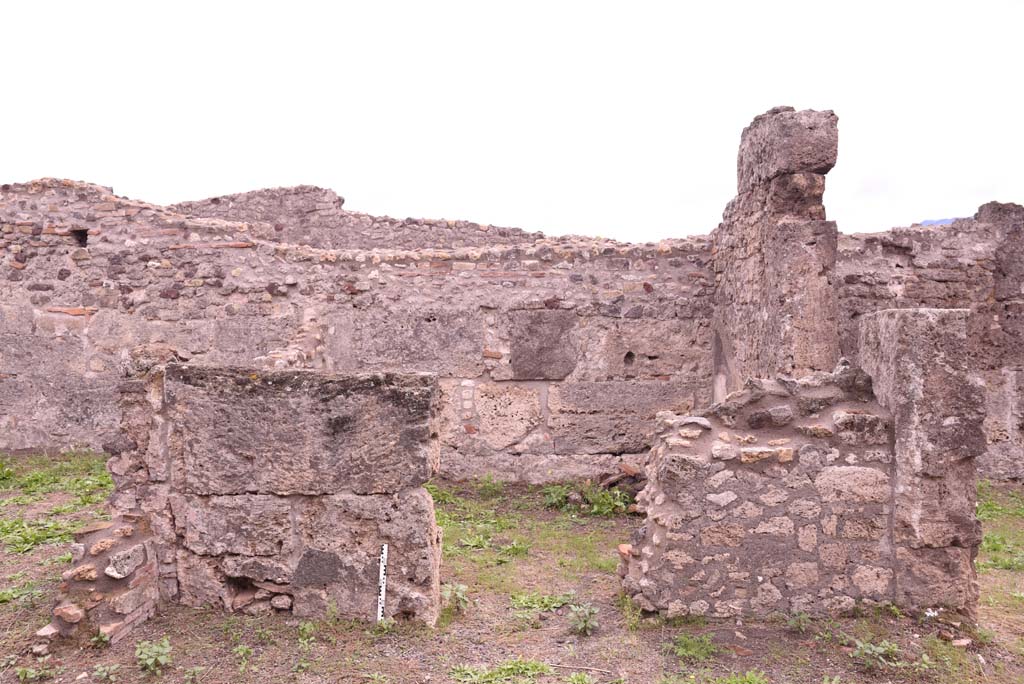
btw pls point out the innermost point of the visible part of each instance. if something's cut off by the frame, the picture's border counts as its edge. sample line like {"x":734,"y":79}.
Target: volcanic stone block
{"x":542,"y":345}
{"x":298,"y":432}
{"x":918,"y":360}
{"x":341,"y":538}
{"x":612,"y":417}
{"x":783,"y":141}
{"x":248,"y":524}
{"x":445,"y":341}
{"x":507,"y":413}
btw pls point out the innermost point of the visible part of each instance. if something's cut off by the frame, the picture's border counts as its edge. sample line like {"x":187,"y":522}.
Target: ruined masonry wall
{"x":306,"y":215}
{"x":975,"y":263}
{"x":777,"y":500}
{"x":818,"y":494}
{"x":259,"y":492}
{"x":553,"y":355}
{"x":922,"y":376}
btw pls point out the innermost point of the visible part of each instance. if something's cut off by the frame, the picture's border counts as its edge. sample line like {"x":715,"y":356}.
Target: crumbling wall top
{"x":784,"y":141}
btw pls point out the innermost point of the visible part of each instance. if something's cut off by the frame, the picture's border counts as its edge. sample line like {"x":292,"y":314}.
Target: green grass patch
{"x":26,"y":592}
{"x":82,"y":474}
{"x":590,"y":500}
{"x":517,"y":670}
{"x":993,"y":504}
{"x":21,"y":536}
{"x":541,"y":602}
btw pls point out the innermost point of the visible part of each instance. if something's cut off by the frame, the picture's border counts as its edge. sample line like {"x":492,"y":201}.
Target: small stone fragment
{"x":102,"y":546}
{"x":82,"y":573}
{"x":124,"y":563}
{"x":69,"y":612}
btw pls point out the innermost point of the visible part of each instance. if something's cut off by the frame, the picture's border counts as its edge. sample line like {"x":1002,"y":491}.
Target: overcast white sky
{"x":614,"y":119}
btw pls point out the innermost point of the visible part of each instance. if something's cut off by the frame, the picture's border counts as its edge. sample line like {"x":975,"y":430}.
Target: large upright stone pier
{"x":775,"y":254}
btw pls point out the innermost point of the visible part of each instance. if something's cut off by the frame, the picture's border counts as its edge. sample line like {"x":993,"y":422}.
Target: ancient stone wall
{"x":811,"y":495}
{"x":306,"y":215}
{"x":262,"y":491}
{"x":974,"y":263}
{"x":918,"y":359}
{"x":776,"y":500}
{"x":553,"y":355}
{"x":774,"y":253}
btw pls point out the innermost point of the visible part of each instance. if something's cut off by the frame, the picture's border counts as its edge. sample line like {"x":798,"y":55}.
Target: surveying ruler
{"x":382,"y":582}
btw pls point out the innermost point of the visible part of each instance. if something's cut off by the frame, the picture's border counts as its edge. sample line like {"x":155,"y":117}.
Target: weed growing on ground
{"x":307,"y":635}
{"x":26,"y":593}
{"x":631,"y":613}
{"x":192,"y":675}
{"x":541,"y":602}
{"x":606,"y":502}
{"x":799,"y":622}
{"x":592,"y":500}
{"x":514,"y":549}
{"x":583,"y":619}
{"x":153,"y":656}
{"x":489,"y":488}
{"x":21,"y":536}
{"x":749,"y":677}
{"x":580,"y":678}
{"x":692,"y":649}
{"x":384,"y":627}
{"x":872,"y":656}
{"x":243,"y":653}
{"x":517,"y":670}
{"x":105,"y":673}
{"x":441,"y":496}
{"x":455,"y":596}
{"x":42,"y":670}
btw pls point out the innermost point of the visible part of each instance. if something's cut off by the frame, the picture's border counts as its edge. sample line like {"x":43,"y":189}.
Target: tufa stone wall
{"x":553,"y":354}
{"x":306,"y":215}
{"x":263,"y":491}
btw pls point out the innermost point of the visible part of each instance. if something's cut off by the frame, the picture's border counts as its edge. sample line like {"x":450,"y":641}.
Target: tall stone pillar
{"x":918,"y":362}
{"x":774,"y":254}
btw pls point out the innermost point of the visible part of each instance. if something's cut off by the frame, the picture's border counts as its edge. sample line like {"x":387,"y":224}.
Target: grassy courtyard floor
{"x":524,"y":574}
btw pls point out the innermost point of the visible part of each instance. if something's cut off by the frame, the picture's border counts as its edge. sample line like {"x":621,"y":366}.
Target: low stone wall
{"x":261,"y":491}
{"x":814,"y":495}
{"x":776,"y":500}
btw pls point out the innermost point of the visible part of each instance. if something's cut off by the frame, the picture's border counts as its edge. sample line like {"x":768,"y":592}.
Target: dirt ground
{"x":517,"y":560}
